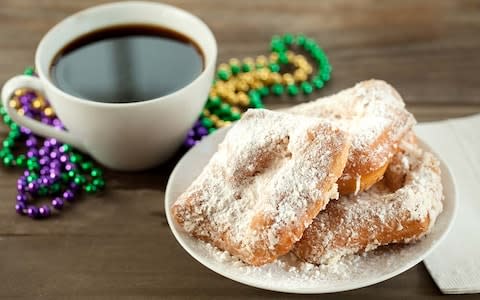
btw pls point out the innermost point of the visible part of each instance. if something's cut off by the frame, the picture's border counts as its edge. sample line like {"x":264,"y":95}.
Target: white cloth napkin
{"x":455,"y":264}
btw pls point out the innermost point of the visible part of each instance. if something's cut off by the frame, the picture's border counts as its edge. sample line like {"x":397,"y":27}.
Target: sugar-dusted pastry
{"x":270,"y":177}
{"x":399,"y":164}
{"x":375,"y":115}
{"x":378,"y":216}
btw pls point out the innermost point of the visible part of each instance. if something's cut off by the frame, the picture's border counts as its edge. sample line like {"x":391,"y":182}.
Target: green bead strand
{"x":75,"y":158}
{"x":8,"y":142}
{"x":55,"y":188}
{"x":235,"y":69}
{"x":8,"y":160}
{"x":324,"y":68}
{"x":254,"y":96}
{"x":90,"y":188}
{"x":292,"y":90}
{"x":43,"y":191}
{"x":277,"y":89}
{"x":264,"y":91}
{"x":317,"y":83}
{"x":29,"y":71}
{"x":213,"y":103}
{"x":32,"y":177}
{"x":87,"y":166}
{"x":225,"y":109}
{"x":64,"y":176}
{"x":300,"y":40}
{"x":223,"y":74}
{"x":274,"y":67}
{"x":207,"y":122}
{"x":246,"y":68}
{"x":99,"y":183}
{"x":80,"y":180}
{"x":32,"y":164}
{"x":325,"y":76}
{"x":288,"y":39}
{"x":306,"y":87}
{"x":236,"y":116}
{"x":7,"y":120}
{"x":96,"y":172}
{"x":283,"y":58}
{"x":21,"y":160}
{"x":66,"y":148}
{"x":14,"y":134}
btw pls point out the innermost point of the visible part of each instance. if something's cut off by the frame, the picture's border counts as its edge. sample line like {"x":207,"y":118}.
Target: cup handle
{"x":23,"y":81}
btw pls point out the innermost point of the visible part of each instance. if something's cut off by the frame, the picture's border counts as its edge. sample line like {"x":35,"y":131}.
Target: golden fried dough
{"x":375,"y":115}
{"x":378,"y":216}
{"x":270,"y":177}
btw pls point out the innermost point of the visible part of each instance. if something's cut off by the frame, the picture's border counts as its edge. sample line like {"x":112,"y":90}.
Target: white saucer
{"x":287,"y":274}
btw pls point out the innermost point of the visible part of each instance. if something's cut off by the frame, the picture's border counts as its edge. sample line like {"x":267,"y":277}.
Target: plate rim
{"x":446,"y":175}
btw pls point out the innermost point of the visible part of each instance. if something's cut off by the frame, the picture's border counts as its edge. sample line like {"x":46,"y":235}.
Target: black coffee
{"x":126,"y":63}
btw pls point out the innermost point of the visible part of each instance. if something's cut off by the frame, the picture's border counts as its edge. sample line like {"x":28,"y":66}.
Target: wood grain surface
{"x":118,"y":245}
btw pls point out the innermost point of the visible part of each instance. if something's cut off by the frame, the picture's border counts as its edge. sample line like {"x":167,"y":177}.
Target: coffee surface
{"x":127,"y":63}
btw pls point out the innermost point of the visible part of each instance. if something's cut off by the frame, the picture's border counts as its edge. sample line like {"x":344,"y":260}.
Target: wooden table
{"x":118,"y":245}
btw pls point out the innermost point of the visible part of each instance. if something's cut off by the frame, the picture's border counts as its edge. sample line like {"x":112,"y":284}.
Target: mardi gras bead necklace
{"x":52,"y":169}
{"x":241,"y":84}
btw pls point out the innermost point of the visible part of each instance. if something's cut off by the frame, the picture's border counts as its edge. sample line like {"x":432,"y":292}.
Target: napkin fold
{"x":455,"y":264}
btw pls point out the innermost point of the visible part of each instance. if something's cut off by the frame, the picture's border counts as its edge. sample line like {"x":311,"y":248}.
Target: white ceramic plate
{"x":288,"y":274}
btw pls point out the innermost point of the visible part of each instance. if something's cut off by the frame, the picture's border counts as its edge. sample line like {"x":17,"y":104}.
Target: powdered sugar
{"x":357,"y":184}
{"x":375,"y":115}
{"x":270,"y":176}
{"x":291,"y":272}
{"x":377,"y":217}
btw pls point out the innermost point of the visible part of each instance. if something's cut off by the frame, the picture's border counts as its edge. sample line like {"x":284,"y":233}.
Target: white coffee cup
{"x":122,"y":136}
